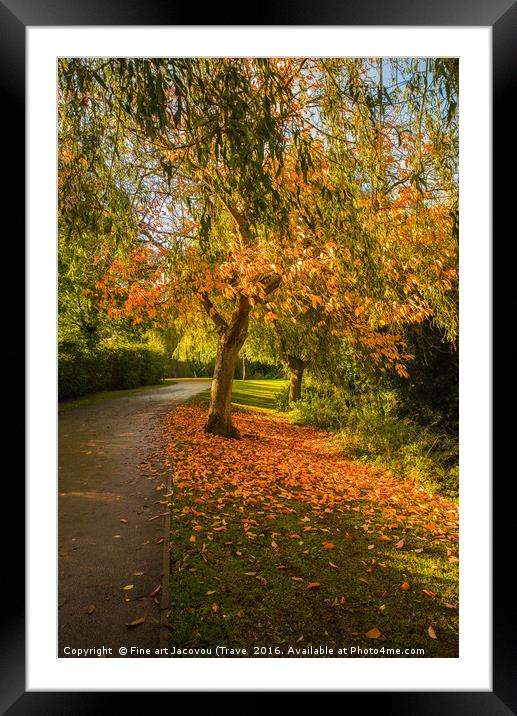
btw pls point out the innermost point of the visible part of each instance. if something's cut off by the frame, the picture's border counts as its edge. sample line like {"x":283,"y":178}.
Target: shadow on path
{"x":111,"y":481}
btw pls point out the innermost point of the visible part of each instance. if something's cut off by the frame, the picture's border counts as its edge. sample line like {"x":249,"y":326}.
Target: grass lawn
{"x":280,"y":543}
{"x":108,"y":394}
{"x":256,"y":394}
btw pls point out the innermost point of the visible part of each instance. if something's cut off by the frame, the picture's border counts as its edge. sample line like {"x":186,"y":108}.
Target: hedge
{"x":82,"y":370}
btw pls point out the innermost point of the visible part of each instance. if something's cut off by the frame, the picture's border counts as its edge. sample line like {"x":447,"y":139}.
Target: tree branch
{"x":270,"y":285}
{"x":216,"y":317}
{"x":239,"y":219}
{"x":283,"y":347}
{"x":237,"y":216}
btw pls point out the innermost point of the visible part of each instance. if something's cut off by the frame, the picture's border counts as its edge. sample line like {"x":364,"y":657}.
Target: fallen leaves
{"x":162,"y":514}
{"x":270,"y":470}
{"x":274,"y":502}
{"x":135,"y":622}
{"x":432,"y":632}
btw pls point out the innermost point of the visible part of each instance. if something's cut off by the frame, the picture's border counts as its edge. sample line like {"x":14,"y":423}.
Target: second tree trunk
{"x":296,"y":367}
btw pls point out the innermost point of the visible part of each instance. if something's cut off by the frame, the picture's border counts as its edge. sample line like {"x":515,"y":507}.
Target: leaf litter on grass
{"x":285,"y":495}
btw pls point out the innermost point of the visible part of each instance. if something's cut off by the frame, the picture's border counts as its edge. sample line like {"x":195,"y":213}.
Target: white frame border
{"x":472,"y":670}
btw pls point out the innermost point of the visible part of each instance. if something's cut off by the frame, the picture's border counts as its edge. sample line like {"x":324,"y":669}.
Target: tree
{"x":251,"y":175}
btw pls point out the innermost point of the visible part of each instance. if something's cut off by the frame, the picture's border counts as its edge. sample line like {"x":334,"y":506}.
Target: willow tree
{"x":211,"y":137}
{"x":109,"y":273}
{"x":401,"y":115}
{"x":256,"y":174}
{"x":381,"y":207}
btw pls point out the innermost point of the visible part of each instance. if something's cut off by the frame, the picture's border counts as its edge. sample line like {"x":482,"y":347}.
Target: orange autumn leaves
{"x":281,"y":522}
{"x":133,"y":285}
{"x":279,"y":468}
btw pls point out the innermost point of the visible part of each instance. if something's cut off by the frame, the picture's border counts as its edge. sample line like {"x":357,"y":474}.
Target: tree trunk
{"x":231,"y":340}
{"x":219,"y":415}
{"x":294,"y":365}
{"x":296,"y":369}
{"x":243,"y":368}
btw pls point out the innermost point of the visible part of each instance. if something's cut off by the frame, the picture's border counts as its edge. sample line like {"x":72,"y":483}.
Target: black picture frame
{"x":501,"y":15}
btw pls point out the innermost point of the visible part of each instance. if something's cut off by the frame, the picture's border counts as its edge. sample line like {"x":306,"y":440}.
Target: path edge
{"x":166,"y":563}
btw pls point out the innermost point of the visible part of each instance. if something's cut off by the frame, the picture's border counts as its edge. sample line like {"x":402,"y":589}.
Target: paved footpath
{"x":110,"y":477}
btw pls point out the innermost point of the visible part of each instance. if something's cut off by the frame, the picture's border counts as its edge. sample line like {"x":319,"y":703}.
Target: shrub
{"x":152,"y":365}
{"x":322,"y":407}
{"x":174,"y":368}
{"x":83,"y":370}
{"x":282,"y":399}
{"x":80,"y":371}
{"x":373,"y":428}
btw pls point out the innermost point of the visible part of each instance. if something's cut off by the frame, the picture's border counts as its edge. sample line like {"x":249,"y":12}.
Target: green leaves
{"x":229,"y":165}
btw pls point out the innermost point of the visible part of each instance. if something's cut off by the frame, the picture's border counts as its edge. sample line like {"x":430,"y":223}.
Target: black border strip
{"x":504,"y":39}
{"x":303,"y":12}
{"x":501,"y":15}
{"x":12,"y":121}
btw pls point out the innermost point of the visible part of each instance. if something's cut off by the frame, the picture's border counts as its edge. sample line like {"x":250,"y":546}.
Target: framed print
{"x":271,"y":588}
